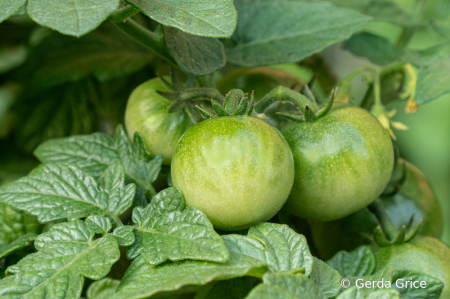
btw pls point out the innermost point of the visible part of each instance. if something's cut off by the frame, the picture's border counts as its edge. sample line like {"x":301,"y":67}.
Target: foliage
{"x":87,"y":212}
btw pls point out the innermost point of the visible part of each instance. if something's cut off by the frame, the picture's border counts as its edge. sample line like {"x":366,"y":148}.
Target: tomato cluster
{"x":239,"y":169}
{"x":324,"y":166}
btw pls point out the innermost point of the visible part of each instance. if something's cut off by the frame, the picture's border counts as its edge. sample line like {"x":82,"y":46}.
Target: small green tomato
{"x":343,"y":161}
{"x":238,"y":170}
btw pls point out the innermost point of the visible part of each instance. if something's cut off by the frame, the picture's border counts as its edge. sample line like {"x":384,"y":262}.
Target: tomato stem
{"x":116,"y":220}
{"x":149,"y":39}
{"x":123,"y":13}
{"x":404,"y":38}
{"x":389,"y":228}
{"x":282,"y":93}
{"x":150,"y":191}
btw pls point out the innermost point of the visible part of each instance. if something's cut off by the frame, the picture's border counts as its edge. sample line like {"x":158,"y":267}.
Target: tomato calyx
{"x":309,"y":110}
{"x":236,"y":103}
{"x":387,"y":233}
{"x":186,"y":97}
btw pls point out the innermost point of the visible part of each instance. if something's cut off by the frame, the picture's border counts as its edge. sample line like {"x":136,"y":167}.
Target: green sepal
{"x":204,"y":112}
{"x":412,"y":229}
{"x":242,"y":107}
{"x":232,"y":100}
{"x":309,"y":114}
{"x":219,"y":109}
{"x":171,"y":96}
{"x":250,"y":104}
{"x":329,"y":104}
{"x":381,"y":239}
{"x":236,"y":103}
{"x":298,"y":118}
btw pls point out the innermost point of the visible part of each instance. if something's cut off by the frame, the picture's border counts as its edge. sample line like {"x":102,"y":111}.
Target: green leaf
{"x":432,"y":290}
{"x":384,"y":10}
{"x":296,"y":30}
{"x":17,"y":230}
{"x":124,"y":235}
{"x":432,"y":80}
{"x":355,"y":293}
{"x":71,"y":113}
{"x":14,"y":223}
{"x":236,"y":288}
{"x":442,"y":27}
{"x":359,"y":262}
{"x":167,"y":230}
{"x":377,"y":49}
{"x":105,"y":54}
{"x":99,"y":224}
{"x":328,"y":279}
{"x":9,"y":7}
{"x":93,"y":153}
{"x":196,"y":55}
{"x":211,"y":18}
{"x":19,"y":243}
{"x":60,"y":191}
{"x":285,"y":286}
{"x":102,"y":289}
{"x":112,"y":187}
{"x":71,"y":17}
{"x":66,"y":253}
{"x":275,"y":245}
{"x":143,"y":279}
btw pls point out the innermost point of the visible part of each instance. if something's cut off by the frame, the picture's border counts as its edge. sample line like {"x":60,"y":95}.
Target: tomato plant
{"x":188,"y":149}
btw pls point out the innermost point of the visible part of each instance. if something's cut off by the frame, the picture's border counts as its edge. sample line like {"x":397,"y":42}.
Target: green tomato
{"x":343,"y":161}
{"x":423,"y":254}
{"x":414,"y":197}
{"x":147,"y":114}
{"x":238,"y":170}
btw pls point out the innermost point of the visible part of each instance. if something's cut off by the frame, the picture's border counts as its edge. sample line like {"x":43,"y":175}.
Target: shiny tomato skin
{"x":423,"y":254}
{"x":147,"y":114}
{"x":238,"y":170}
{"x":343,"y":161}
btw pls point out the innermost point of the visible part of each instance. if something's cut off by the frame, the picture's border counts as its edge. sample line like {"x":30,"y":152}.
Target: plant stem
{"x":389,"y":228}
{"x":201,"y":93}
{"x":404,"y":39}
{"x":377,"y":89}
{"x":282,"y":93}
{"x":147,"y":38}
{"x":358,"y":71}
{"x":116,"y":220}
{"x":368,"y":99}
{"x":150,"y":192}
{"x":124,"y":13}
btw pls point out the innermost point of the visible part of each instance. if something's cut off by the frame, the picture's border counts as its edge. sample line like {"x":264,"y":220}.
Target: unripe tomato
{"x":415,"y":197}
{"x":147,"y":114}
{"x":343,"y":161}
{"x":238,"y":170}
{"x":423,"y":254}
